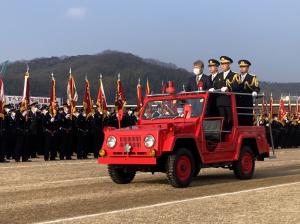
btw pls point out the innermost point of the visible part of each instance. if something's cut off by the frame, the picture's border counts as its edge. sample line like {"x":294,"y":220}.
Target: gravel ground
{"x":81,"y":192}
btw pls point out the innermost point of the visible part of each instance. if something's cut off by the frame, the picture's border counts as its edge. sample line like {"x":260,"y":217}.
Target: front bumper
{"x":127,"y":160}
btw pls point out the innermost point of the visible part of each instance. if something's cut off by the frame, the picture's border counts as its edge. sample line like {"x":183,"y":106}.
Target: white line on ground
{"x":166,"y":203}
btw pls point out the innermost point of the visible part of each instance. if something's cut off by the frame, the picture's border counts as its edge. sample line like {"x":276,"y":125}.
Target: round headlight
{"x":149,"y":141}
{"x":111,"y":142}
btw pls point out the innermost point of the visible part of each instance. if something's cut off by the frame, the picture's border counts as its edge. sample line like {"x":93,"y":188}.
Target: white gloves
{"x":211,"y":90}
{"x":254,"y":94}
{"x":224,"y":89}
{"x":52,"y":119}
{"x":67,"y":116}
{"x":24,"y":113}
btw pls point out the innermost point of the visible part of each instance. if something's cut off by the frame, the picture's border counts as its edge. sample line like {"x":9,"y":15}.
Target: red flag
{"x":163,"y":87}
{"x":2,"y":99}
{"x":120,"y":100}
{"x":53,"y":105}
{"x":271,"y":107}
{"x":139,"y":93}
{"x":281,"y":111}
{"x":26,"y":98}
{"x":101,"y":99}
{"x":148,"y":91}
{"x":87,"y":101}
{"x":290,"y":106}
{"x":72,"y":95}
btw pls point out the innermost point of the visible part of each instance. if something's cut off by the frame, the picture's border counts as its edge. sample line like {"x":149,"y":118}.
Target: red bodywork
{"x":167,"y":133}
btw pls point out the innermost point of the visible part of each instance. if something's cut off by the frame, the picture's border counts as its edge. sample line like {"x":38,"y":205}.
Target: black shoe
{"x":26,"y":160}
{"x":17,"y":160}
{"x":68,"y":158}
{"x":3,"y":161}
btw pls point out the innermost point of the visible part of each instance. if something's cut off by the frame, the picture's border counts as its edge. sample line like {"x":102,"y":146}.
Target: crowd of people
{"x":35,"y":132}
{"x":285,"y":134}
{"x":25,"y":134}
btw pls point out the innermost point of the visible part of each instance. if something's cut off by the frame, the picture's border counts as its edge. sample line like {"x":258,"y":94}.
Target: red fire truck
{"x":179,"y":134}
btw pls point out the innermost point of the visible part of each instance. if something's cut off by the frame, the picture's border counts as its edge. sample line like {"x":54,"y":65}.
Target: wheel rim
{"x":183,"y":168}
{"x":247,"y":163}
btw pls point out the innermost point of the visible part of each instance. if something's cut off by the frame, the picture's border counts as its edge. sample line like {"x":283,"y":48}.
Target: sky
{"x":266,"y":32}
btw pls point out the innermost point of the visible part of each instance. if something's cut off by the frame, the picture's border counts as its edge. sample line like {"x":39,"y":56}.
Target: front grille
{"x":134,"y":141}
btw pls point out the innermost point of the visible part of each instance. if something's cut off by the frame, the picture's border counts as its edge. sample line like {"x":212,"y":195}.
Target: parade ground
{"x":82,"y":192}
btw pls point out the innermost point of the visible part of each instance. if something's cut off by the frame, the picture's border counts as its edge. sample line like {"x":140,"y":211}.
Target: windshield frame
{"x":172,"y":97}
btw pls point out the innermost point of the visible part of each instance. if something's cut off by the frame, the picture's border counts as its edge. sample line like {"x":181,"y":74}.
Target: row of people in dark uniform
{"x":27,"y":134}
{"x":285,"y":133}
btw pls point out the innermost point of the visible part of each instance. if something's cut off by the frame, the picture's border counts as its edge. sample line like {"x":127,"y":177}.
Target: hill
{"x":109,"y":63}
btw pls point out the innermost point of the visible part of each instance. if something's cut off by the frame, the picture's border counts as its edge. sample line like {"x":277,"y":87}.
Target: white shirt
{"x":225,"y":74}
{"x":243,"y":76}
{"x":213,"y":76}
{"x":198,"y":77}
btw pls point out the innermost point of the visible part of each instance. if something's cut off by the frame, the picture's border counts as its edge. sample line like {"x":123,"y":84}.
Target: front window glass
{"x":160,"y":109}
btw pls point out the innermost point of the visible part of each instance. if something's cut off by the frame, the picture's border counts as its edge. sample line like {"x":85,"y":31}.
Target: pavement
{"x":80,"y":191}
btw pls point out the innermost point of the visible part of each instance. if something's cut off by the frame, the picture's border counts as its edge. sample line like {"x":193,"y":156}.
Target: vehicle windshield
{"x":175,"y":108}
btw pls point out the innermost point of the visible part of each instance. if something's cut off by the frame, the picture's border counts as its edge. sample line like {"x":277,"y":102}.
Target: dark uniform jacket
{"x":193,"y":86}
{"x":232,"y":82}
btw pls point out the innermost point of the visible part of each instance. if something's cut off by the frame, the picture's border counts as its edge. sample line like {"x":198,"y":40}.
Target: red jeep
{"x":178,"y":134}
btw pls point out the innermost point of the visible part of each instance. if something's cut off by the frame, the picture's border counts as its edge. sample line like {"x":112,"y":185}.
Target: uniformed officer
{"x":82,"y":136}
{"x":98,"y":132}
{"x":213,"y":66}
{"x":33,"y":117}
{"x":226,"y":81}
{"x":200,"y":81}
{"x":11,"y":133}
{"x":22,"y":140}
{"x":50,"y":130}
{"x":2,"y":137}
{"x":65,"y":122}
{"x":248,"y":84}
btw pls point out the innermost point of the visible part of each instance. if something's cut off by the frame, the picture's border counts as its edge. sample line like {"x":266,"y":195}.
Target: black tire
{"x":119,"y":175}
{"x":244,"y":168}
{"x":180,"y":168}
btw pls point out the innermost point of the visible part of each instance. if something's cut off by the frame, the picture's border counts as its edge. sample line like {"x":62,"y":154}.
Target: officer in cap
{"x":2,"y":135}
{"x":33,"y":117}
{"x":213,"y":66}
{"x":225,"y":81}
{"x":248,"y":84}
{"x":200,"y":81}
{"x":11,"y":133}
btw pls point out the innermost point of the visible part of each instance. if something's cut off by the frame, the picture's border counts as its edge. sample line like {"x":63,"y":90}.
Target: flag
{"x":263,"y":106}
{"x":120,"y":100}
{"x":53,"y":105}
{"x":148,"y":91}
{"x":139,"y":93}
{"x":101,"y":99}
{"x":297,"y":107}
{"x":2,"y":99}
{"x":290,"y":106}
{"x":4,"y":68}
{"x":163,"y":87}
{"x":26,"y":98}
{"x":281,"y":111}
{"x":87,"y":101}
{"x":72,"y":95}
{"x":271,"y":107}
